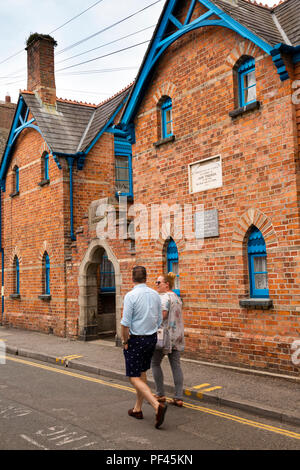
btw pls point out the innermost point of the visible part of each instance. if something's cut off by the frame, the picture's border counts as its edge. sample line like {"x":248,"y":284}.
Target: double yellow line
{"x":220,"y":414}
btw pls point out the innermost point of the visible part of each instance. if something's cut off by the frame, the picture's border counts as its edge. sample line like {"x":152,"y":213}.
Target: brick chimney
{"x":40,"y":67}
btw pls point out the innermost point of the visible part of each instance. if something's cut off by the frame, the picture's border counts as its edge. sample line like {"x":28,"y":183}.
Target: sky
{"x":69,"y":23}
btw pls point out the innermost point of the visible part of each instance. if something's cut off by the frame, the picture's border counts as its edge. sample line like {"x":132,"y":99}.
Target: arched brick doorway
{"x":89,"y":324}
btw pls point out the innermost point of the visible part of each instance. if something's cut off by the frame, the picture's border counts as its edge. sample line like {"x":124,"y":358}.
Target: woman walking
{"x":173,"y":341}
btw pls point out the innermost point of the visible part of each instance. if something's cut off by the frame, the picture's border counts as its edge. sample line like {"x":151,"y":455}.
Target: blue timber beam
{"x":162,"y":40}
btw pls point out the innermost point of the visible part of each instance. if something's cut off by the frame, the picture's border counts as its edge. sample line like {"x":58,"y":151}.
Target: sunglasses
{"x":157,"y":283}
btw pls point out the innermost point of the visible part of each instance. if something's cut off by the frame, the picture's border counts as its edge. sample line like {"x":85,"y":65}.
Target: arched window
{"x":46,"y":166}
{"x":16,"y":276}
{"x":166,"y":118}
{"x":247,"y":82}
{"x":107,"y":275}
{"x":16,"y":180}
{"x":173,"y":263}
{"x":257,"y":257}
{"x":46,"y":274}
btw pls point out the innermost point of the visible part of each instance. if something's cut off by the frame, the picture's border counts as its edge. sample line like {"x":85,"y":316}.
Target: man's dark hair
{"x":139,"y":274}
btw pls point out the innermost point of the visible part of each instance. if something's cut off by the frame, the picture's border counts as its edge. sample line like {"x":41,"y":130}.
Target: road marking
{"x":210,"y":389}
{"x":248,"y":422}
{"x":33,"y":442}
{"x":64,"y":358}
{"x":71,"y":374}
{"x":201,"y":386}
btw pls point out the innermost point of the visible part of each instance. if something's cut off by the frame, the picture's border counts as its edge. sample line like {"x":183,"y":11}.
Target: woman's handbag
{"x":163,"y":338}
{"x":160,"y":338}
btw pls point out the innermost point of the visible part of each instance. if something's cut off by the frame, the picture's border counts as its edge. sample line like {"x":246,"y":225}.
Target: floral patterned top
{"x":173,"y":325}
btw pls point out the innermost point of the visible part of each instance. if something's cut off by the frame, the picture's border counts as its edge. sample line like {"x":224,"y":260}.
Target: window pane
{"x":122,"y":174}
{"x":169,"y":128}
{"x":168,"y":115}
{"x":250,"y":94}
{"x":175,"y":270}
{"x":107,"y":273}
{"x":250,"y":87}
{"x":261,"y":281}
{"x":260,"y":264}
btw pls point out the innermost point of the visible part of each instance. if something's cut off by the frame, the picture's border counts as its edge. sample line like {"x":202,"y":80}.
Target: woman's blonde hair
{"x":170,"y":278}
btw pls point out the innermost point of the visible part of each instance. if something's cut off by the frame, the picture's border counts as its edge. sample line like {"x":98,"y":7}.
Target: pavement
{"x":269,"y":395}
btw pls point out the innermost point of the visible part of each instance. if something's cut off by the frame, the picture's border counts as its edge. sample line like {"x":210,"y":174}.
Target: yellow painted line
{"x":71,"y":374}
{"x":72,"y":356}
{"x":247,"y":422}
{"x":220,"y":414}
{"x":210,"y":389}
{"x":201,"y":386}
{"x":63,"y":359}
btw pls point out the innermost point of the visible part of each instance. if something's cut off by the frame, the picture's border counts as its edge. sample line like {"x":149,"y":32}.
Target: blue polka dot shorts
{"x":139,"y":354}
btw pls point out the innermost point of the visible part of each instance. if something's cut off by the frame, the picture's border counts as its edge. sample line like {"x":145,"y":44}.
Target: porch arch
{"x":87,"y":281}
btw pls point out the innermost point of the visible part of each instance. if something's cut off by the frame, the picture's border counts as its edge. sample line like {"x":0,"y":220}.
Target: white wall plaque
{"x":205,"y":174}
{"x":207,"y":224}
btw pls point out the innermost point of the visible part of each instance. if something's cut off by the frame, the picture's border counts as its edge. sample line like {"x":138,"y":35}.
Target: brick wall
{"x":33,"y":223}
{"x":259,"y":163}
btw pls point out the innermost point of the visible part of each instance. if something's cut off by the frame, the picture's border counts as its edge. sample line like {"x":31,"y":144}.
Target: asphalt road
{"x":48,"y":407}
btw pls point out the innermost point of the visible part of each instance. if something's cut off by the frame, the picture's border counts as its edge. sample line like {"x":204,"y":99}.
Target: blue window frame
{"x":247,"y":82}
{"x":107,"y":275}
{"x":166,"y":118}
{"x":46,"y":166}
{"x":173,"y":263}
{"x":123,"y":167}
{"x":17,"y":275}
{"x":17,"y":179}
{"x":46,"y":268}
{"x":257,"y":256}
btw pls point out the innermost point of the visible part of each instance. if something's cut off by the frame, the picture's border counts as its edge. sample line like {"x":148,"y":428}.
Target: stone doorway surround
{"x":87,"y":281}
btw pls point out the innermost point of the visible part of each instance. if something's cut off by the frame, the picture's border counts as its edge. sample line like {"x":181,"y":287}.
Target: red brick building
{"x":212,"y":122}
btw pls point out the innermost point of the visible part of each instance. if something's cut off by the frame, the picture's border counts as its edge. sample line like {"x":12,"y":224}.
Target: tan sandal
{"x":176,"y":402}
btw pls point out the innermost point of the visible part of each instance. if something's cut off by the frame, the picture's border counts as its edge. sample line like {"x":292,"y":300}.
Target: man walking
{"x":142,"y":316}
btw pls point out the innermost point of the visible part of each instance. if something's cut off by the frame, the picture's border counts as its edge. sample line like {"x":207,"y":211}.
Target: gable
{"x":254,"y":22}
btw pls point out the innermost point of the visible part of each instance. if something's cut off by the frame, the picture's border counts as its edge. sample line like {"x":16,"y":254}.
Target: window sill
{"x":45,"y":297}
{"x":44,"y":182}
{"x":15,"y":296}
{"x":164,"y":141}
{"x":244,"y":109}
{"x":16,"y":193}
{"x":262,"y":304}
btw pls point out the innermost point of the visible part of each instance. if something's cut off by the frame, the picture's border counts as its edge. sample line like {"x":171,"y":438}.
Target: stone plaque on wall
{"x":205,"y":174}
{"x":207,"y":224}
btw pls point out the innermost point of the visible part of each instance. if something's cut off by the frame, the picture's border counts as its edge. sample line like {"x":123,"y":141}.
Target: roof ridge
{"x":64,"y":100}
{"x":115,"y":95}
{"x":253,"y":2}
{"x":81,"y":103}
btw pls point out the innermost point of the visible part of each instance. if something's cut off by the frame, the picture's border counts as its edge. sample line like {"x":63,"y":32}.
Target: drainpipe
{"x":2,"y":260}
{"x":70,"y":163}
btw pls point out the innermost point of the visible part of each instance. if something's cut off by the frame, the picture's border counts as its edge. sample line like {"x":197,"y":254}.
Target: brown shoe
{"x":160,"y":415}
{"x":135,"y":414}
{"x":160,"y":398}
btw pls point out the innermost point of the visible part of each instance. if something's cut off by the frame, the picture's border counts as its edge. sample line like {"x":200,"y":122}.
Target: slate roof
{"x":288,"y":15}
{"x":261,"y":21}
{"x":74,"y":126}
{"x":3,"y":139}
